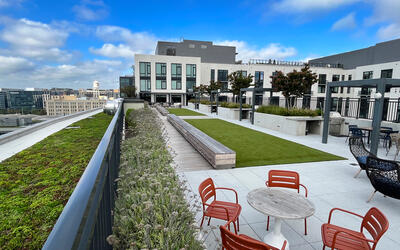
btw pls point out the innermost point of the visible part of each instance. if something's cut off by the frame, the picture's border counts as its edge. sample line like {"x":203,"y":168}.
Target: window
{"x":190,"y":70}
{"x":171,"y":51}
{"x":386,"y":73}
{"x":203,"y":46}
{"x":176,"y":70}
{"x":243,"y":73}
{"x":367,"y":75}
{"x":192,"y":46}
{"x":222,"y":75}
{"x":212,"y":78}
{"x":343,"y":77}
{"x":321,"y":83}
{"x":335,"y":78}
{"x":145,"y":85}
{"x":259,"y":79}
{"x":161,"y":69}
{"x":161,"y":84}
{"x":176,"y":84}
{"x":350,"y":77}
{"x":145,"y":69}
{"x":190,"y":84}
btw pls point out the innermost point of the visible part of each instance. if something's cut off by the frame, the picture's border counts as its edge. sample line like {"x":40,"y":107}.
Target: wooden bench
{"x":163,"y":111}
{"x":218,"y":155}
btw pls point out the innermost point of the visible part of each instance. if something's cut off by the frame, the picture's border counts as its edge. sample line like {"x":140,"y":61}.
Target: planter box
{"x":233,"y":113}
{"x":191,"y":105}
{"x":293,"y":125}
{"x":205,"y":108}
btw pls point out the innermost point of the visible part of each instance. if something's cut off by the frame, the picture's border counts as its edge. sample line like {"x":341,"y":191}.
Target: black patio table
{"x":383,"y":130}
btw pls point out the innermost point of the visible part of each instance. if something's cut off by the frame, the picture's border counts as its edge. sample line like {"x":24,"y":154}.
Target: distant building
{"x":56,"y":107}
{"x":207,"y":51}
{"x":15,"y":120}
{"x":3,"y":100}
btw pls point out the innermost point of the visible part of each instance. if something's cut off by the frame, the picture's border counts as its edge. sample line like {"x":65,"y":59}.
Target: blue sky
{"x":47,"y":43}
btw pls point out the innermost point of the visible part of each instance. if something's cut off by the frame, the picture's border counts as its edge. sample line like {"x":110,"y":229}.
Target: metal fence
{"x":87,"y":219}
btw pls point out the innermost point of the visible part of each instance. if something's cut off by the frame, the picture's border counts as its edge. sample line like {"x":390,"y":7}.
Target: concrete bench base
{"x":218,"y":155}
{"x":163,"y":111}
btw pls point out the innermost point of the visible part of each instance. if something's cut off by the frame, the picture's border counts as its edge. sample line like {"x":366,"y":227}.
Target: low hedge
{"x":276,"y":110}
{"x":151,"y":211}
{"x":232,"y":105}
{"x":36,"y":183}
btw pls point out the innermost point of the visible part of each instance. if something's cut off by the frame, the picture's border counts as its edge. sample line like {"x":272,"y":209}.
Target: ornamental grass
{"x":151,"y":211}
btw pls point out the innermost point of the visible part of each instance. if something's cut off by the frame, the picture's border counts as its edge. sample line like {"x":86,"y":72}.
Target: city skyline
{"x":76,"y":42}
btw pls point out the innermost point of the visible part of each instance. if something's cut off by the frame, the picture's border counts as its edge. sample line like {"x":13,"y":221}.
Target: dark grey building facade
{"x":380,"y":53}
{"x":207,"y":51}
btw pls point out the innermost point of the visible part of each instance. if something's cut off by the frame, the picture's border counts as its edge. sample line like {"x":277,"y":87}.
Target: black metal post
{"x":328,"y":102}
{"x":377,"y":118}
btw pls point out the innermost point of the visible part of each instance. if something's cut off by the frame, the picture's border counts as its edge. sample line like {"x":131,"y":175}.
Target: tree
{"x":128,"y":91}
{"x":295,"y":83}
{"x":213,"y":86}
{"x":238,"y":81}
{"x":202,"y":88}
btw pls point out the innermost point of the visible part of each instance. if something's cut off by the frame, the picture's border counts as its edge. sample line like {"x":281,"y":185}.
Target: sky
{"x":65,"y":43}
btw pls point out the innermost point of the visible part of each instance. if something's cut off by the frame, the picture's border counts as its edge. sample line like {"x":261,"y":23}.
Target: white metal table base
{"x":275,"y":237}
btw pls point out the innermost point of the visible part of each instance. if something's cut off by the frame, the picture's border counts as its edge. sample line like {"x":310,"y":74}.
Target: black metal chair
{"x":384,"y":176}
{"x":351,"y":131}
{"x":359,"y":152}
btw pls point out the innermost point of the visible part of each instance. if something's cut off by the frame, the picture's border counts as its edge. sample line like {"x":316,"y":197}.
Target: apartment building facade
{"x":60,"y":107}
{"x":171,"y":74}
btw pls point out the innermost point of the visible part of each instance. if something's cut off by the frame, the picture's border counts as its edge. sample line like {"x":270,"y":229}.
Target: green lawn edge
{"x":183,"y":112}
{"x":36,"y":183}
{"x":254,"y":148}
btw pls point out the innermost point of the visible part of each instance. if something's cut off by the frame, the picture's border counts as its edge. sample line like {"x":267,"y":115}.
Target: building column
{"x":327,"y":111}
{"x":377,"y":117}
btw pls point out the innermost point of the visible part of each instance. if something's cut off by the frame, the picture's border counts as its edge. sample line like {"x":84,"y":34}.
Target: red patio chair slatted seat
{"x":286,"y":179}
{"x":231,"y":241}
{"x":223,"y":210}
{"x":336,"y":237}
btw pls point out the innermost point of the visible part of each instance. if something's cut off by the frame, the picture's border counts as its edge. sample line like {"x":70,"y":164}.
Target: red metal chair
{"x":285,"y":179}
{"x":336,"y":237}
{"x":223,"y":210}
{"x":231,"y":241}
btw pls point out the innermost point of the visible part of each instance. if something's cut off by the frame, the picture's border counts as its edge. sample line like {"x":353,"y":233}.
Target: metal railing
{"x":87,"y":219}
{"x":293,"y":63}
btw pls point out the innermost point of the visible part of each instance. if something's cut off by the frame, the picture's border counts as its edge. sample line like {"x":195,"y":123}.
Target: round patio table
{"x":281,"y":204}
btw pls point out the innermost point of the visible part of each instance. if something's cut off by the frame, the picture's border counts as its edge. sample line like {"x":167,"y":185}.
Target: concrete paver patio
{"x":330,"y":184}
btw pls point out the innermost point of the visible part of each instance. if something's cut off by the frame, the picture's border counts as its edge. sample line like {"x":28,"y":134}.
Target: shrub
{"x":151,"y":211}
{"x":232,"y":105}
{"x":276,"y":110}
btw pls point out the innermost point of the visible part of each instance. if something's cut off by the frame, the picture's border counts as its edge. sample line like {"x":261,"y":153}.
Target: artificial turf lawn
{"x":255,"y":148}
{"x":183,"y":112}
{"x":36,"y":183}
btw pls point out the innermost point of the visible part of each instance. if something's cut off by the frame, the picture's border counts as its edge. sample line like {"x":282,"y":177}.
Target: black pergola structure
{"x":215,"y":94}
{"x":197,"y":96}
{"x":253,"y":99}
{"x":380,"y":85}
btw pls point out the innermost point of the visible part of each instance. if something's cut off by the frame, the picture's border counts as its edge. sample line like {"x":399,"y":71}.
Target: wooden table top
{"x":280,"y":203}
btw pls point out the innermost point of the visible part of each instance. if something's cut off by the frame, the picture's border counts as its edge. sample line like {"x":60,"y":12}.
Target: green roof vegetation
{"x":151,"y":211}
{"x":36,"y":183}
{"x":254,"y":148}
{"x":183,"y":112}
{"x":276,"y":110}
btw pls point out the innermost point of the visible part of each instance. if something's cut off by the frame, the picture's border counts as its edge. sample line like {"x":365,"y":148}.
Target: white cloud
{"x":272,"y":51}
{"x":110,"y":50}
{"x":138,"y":41}
{"x":348,"y":22}
{"x":7,"y":3}
{"x":390,"y":31}
{"x":129,"y":43}
{"x":90,"y":10}
{"x":35,"y":40}
{"x":298,"y":6}
{"x":11,"y":65}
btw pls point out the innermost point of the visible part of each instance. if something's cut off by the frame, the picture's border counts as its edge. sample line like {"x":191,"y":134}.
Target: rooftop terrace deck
{"x":330,"y":184}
